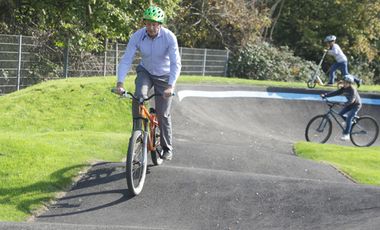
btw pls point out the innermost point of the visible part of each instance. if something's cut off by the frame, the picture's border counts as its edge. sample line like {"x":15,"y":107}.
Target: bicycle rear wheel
{"x":136,"y":163}
{"x":318,"y":129}
{"x":157,"y":153}
{"x":364,"y":131}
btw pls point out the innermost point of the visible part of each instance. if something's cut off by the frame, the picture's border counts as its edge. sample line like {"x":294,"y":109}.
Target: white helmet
{"x":348,"y":78}
{"x":330,"y":38}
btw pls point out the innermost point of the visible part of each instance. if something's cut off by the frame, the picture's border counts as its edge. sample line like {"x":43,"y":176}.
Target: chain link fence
{"x":26,"y":60}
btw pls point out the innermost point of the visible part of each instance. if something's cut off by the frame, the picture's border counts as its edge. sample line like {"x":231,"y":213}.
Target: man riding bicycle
{"x":159,"y":67}
{"x":351,"y":107}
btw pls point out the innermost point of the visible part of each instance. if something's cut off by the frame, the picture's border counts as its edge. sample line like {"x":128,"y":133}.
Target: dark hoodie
{"x":350,"y":93}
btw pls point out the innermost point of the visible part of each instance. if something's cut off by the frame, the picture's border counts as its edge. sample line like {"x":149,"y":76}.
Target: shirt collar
{"x":158,"y":35}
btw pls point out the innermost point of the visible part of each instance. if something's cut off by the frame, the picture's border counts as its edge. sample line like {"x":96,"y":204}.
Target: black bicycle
{"x":363,"y":133}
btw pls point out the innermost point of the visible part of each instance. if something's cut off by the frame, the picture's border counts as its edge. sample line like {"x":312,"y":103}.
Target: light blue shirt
{"x":159,"y":56}
{"x":337,"y":53}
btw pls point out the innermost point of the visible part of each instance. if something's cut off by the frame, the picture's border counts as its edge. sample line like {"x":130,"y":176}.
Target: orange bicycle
{"x":145,"y":138}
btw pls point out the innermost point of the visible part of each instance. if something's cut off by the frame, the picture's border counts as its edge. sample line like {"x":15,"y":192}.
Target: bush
{"x":265,"y":62}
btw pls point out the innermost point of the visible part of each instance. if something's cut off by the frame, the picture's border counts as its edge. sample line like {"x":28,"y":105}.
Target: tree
{"x":87,"y":23}
{"x":303,"y":25}
{"x":219,"y":24}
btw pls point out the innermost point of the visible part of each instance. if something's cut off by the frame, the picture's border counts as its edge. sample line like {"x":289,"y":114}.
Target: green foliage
{"x":303,"y":25}
{"x":219,"y":24}
{"x":86,"y":23}
{"x":265,"y":62}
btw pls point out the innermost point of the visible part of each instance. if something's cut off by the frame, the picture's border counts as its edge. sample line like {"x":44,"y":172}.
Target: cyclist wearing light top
{"x":341,"y":63}
{"x":351,"y":107}
{"x":160,"y":68}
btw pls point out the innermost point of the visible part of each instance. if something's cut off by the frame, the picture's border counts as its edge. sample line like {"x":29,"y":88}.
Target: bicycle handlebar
{"x":330,"y":103}
{"x":141,"y":100}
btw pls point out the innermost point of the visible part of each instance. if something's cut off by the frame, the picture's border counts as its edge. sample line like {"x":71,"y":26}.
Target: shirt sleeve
{"x":175,"y":60}
{"x":127,"y":59}
{"x":333,"y":51}
{"x":335,"y":93}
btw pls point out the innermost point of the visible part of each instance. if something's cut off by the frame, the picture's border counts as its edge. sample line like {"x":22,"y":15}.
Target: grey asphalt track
{"x":234,"y":168}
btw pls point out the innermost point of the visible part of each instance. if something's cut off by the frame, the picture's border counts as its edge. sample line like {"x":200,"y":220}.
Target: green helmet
{"x":154,"y":13}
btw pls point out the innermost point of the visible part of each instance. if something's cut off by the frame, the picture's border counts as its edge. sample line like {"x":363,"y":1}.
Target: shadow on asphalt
{"x":100,"y":175}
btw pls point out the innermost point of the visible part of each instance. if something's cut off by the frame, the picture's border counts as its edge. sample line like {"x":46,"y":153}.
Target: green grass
{"x":360,"y":164}
{"x":51,"y":131}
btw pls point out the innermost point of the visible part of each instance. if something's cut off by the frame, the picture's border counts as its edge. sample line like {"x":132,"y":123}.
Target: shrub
{"x":265,"y":62}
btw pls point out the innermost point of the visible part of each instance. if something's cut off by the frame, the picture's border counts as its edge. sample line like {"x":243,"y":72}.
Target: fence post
{"x":66,"y":59}
{"x":226,"y":66}
{"x":116,"y":57}
{"x":19,"y":62}
{"x":204,"y":62}
{"x":105,"y":57}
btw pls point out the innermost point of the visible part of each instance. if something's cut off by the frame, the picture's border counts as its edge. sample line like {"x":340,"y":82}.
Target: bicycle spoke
{"x":318,"y":129}
{"x":364,"y":132}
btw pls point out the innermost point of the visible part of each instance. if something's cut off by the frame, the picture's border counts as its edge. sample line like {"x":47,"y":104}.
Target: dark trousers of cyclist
{"x":144,"y":83}
{"x":343,"y":67}
{"x":348,"y":113}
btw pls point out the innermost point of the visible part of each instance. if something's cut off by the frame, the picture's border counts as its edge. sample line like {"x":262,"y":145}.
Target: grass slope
{"x":361,"y":164}
{"x":51,"y":131}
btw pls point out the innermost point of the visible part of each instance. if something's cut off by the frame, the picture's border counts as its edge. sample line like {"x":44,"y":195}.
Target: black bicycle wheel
{"x":157,"y":153}
{"x":318,"y":129}
{"x":364,"y":131}
{"x":136,"y":163}
{"x":311,"y":83}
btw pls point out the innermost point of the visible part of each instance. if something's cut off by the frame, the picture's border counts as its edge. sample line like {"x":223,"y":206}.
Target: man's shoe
{"x":345,"y":137}
{"x":168,"y":155}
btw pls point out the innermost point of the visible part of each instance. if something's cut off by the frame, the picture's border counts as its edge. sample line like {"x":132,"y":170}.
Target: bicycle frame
{"x":150,"y":118}
{"x":334,"y":114}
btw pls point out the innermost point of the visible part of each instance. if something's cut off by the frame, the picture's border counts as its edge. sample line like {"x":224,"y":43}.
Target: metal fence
{"x":25,"y":60}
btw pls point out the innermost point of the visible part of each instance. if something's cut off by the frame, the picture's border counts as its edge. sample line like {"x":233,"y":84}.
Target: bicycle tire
{"x":136,"y":164}
{"x":311,"y":84}
{"x":364,"y":131}
{"x":318,"y":129}
{"x":157,"y":153}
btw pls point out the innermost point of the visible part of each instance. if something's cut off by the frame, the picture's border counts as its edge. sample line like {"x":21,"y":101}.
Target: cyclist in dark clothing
{"x":351,"y":107}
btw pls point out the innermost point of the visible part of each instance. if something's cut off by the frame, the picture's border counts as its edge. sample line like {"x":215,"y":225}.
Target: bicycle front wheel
{"x":364,"y":131}
{"x":136,"y":163}
{"x":318,"y":129}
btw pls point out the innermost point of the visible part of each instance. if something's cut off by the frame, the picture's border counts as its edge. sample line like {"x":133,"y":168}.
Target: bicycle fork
{"x":145,"y":148}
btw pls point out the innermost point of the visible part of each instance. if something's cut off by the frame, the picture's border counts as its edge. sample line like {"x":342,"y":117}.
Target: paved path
{"x":234,"y":168}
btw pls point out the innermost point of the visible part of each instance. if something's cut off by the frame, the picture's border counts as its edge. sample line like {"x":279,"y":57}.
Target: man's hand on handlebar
{"x":168,"y":92}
